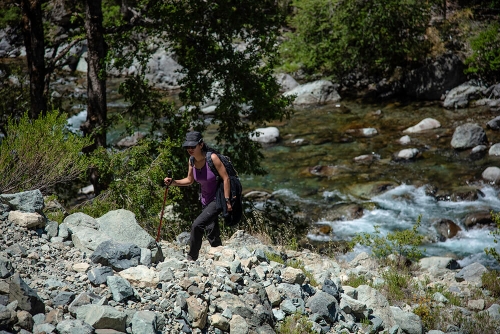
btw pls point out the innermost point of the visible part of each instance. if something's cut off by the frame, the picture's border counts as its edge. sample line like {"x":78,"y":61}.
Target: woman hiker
{"x":207,"y":221}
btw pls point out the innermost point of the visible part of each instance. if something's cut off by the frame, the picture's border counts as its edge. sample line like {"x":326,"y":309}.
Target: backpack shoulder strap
{"x":211,"y":163}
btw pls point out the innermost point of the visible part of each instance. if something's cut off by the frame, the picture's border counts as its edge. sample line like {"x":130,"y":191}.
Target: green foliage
{"x":485,"y":58}
{"x":337,"y":37}
{"x":274,"y":257}
{"x":403,"y":244}
{"x":295,"y":324}
{"x":9,"y":15}
{"x":38,"y":154}
{"x":202,"y":35}
{"x":356,"y":280}
{"x":398,"y":285}
{"x":135,"y":177}
{"x":480,"y":322}
{"x":492,"y":251}
{"x":491,"y":282}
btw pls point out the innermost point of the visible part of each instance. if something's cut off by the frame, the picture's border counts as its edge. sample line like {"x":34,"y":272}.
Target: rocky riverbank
{"x":107,"y":275}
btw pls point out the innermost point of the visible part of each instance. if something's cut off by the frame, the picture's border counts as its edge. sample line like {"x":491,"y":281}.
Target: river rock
{"x":131,"y":140}
{"x":425,"y":124}
{"x":368,"y":190}
{"x":286,"y":81}
{"x":494,"y":124}
{"x":494,"y":150}
{"x":314,"y":93}
{"x":405,"y":140}
{"x":438,"y":262}
{"x":478,"y":218}
{"x":467,"y":136}
{"x":491,"y":174}
{"x":265,"y":135}
{"x":460,"y":96}
{"x":407,"y":154}
{"x":446,"y":229}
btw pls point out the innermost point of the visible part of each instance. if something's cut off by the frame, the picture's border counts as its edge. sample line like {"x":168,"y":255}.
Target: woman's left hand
{"x":229,"y":207}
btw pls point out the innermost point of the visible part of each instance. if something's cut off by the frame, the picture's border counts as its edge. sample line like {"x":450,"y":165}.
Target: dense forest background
{"x":230,"y":51}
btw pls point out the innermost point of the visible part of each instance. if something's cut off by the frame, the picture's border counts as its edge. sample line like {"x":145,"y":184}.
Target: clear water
{"x":330,"y":145}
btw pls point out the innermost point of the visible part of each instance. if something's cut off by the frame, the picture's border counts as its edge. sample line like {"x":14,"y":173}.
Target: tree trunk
{"x":95,"y":125}
{"x":35,"y":52}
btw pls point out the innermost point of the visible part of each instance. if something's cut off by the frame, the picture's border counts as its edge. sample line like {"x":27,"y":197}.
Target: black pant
{"x":207,"y":222}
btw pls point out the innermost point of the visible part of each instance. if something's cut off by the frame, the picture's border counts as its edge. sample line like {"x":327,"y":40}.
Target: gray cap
{"x":193,"y":138}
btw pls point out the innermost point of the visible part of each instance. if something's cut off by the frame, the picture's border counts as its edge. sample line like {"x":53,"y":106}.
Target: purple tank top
{"x":208,"y":182}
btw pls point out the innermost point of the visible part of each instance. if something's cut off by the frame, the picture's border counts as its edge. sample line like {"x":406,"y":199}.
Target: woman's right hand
{"x":168,"y":180}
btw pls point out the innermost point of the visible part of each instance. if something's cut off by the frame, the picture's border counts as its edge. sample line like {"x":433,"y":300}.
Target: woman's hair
{"x":205,"y":148}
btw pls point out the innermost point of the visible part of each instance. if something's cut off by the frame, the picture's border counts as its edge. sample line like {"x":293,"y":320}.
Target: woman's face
{"x":193,"y":149}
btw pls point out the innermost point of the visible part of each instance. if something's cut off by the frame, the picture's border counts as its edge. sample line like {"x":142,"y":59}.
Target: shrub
{"x":491,"y":282}
{"x":403,"y":244}
{"x":355,"y":280}
{"x":496,"y":235}
{"x":135,"y":177}
{"x":398,"y":286}
{"x":336,"y":37}
{"x":485,"y":58}
{"x":38,"y":154}
{"x":296,"y":324}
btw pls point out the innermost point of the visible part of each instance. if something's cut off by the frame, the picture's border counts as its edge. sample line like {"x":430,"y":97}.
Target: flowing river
{"x":313,"y":166}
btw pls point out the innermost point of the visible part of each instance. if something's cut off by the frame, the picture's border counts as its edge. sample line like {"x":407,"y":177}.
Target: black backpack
{"x":233,"y":217}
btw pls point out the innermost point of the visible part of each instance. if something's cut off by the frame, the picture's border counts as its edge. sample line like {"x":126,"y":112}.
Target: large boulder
{"x":468,"y":135}
{"x":314,"y":93}
{"x":26,"y":201}
{"x":460,"y":96}
{"x":121,"y":225}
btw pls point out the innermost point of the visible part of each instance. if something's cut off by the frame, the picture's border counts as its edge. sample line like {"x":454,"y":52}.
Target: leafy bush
{"x":491,"y":282}
{"x":135,"y":177}
{"x":337,"y":37}
{"x":403,"y":244}
{"x":38,"y":154}
{"x":356,"y":280}
{"x":485,"y":58}
{"x":296,"y":324}
{"x":398,"y":285}
{"x":496,"y":236}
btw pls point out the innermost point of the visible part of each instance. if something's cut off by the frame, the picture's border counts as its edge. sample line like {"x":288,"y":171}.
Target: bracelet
{"x":227,"y":199}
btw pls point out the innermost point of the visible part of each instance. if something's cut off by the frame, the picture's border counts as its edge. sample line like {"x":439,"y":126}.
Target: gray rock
{"x":27,"y":201}
{"x":99,"y":275}
{"x":120,"y":288}
{"x":6,"y":269}
{"x":102,"y":317}
{"x":317,"y":92}
{"x":325,"y":305}
{"x":471,"y":273}
{"x":119,"y":256}
{"x":409,"y":322}
{"x":144,"y":322}
{"x":28,"y":300}
{"x":459,"y":96}
{"x":122,"y":226}
{"x":64,"y":298}
{"x":52,"y":228}
{"x":74,"y":327}
{"x":467,"y":136}
{"x":491,"y":174}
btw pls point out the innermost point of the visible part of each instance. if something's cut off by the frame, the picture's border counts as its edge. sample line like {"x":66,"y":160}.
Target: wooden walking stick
{"x":169,"y":174}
